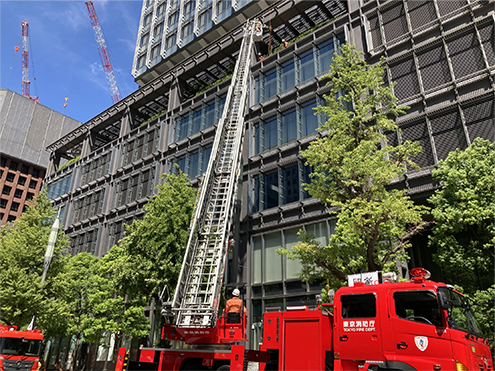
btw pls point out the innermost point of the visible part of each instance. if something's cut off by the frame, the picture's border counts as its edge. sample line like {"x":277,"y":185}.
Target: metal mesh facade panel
{"x":419,"y":132}
{"x":488,"y":41}
{"x":421,"y":12}
{"x":448,"y":134}
{"x":480,"y":120}
{"x":394,"y":22}
{"x":465,"y":54}
{"x":404,"y":73}
{"x":376,"y":36}
{"x":448,"y":6}
{"x":434,"y":68}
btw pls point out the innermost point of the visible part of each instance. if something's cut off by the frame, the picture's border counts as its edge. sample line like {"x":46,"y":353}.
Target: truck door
{"x":358,"y":335}
{"x":420,"y":333}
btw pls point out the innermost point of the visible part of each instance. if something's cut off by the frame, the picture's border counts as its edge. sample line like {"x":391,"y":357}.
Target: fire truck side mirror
{"x":442,"y":300}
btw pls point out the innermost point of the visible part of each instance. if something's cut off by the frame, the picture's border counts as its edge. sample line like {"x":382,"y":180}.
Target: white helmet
{"x":236,"y":292}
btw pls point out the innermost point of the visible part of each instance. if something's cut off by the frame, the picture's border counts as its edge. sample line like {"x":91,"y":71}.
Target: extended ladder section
{"x":198,"y":291}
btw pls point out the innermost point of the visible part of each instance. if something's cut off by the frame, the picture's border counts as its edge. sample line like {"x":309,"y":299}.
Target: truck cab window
{"x":418,"y":306}
{"x":358,"y":306}
{"x":460,"y":315}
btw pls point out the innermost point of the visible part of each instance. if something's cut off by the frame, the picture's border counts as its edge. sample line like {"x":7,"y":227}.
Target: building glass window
{"x":270,"y":85}
{"x":256,"y":194}
{"x":289,"y":126}
{"x":158,"y":31}
{"x":173,"y":19}
{"x":204,"y":18}
{"x":193,"y":170}
{"x":271,"y":189}
{"x":257,"y":263}
{"x":205,"y":158}
{"x":319,"y":231}
{"x":161,"y":10}
{"x":290,"y":176}
{"x":196,"y":124}
{"x":140,"y":61}
{"x":144,"y":40}
{"x":21,"y":181}
{"x":189,"y":9}
{"x":210,"y":114}
{"x":309,"y":121}
{"x":181,"y":127}
{"x":273,"y":260}
{"x":288,"y":75}
{"x":221,"y":104}
{"x":24,"y":169}
{"x":222,"y":6}
{"x":292,"y":267}
{"x":257,"y":90}
{"x":306,"y":179}
{"x":270,"y":133}
{"x":171,"y":41}
{"x":325,"y":55}
{"x":307,"y":66}
{"x":187,"y":30}
{"x":59,"y":188}
{"x":147,"y":19}
{"x":155,"y":52}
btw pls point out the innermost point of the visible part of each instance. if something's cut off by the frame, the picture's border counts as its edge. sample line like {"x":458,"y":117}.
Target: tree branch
{"x":412,"y":232}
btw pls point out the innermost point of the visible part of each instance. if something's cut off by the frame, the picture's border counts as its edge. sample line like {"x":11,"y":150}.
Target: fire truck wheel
{"x":224,"y":368}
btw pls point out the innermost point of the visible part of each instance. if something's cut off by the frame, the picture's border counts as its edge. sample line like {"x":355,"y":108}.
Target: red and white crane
{"x":103,"y":51}
{"x":25,"y":61}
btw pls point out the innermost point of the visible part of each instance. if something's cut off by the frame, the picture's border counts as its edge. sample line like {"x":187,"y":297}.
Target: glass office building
{"x":440,"y":53}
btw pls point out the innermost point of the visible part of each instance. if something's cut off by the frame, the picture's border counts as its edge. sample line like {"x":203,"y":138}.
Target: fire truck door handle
{"x":401,"y":345}
{"x":344,"y":338}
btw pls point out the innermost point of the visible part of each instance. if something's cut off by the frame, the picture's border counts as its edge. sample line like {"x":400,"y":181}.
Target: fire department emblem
{"x":421,"y":342}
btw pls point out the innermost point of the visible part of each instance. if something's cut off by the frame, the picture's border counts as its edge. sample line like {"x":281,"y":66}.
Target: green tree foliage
{"x":111,"y":312}
{"x":23,"y":245}
{"x":153,"y":248}
{"x":464,"y":213}
{"x":484,"y":311}
{"x":351,"y":172}
{"x":79,"y":283}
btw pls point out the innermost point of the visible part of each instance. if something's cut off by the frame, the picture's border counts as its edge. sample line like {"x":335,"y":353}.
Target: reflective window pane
{"x":273,"y":261}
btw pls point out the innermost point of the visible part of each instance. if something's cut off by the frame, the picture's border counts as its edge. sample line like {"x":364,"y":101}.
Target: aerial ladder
{"x":199,"y":288}
{"x":195,"y":305}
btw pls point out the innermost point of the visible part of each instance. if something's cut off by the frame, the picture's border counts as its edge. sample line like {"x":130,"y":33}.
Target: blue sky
{"x":63,"y":54}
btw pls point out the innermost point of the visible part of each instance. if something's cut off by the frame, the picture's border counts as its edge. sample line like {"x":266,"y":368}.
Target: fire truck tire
{"x":224,"y":368}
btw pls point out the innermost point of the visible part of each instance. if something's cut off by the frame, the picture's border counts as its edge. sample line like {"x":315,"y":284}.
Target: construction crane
{"x":103,"y":51}
{"x":25,"y":62}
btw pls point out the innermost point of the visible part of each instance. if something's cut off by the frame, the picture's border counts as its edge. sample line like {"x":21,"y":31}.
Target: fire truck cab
{"x":19,"y":349}
{"x":416,"y":325}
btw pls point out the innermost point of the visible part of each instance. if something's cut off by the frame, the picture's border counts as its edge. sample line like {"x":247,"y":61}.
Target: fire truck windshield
{"x":20,"y":347}
{"x":460,"y":315}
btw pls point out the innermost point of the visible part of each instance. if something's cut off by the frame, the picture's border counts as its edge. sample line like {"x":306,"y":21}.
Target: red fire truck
{"x":417,"y":325}
{"x":19,"y":350}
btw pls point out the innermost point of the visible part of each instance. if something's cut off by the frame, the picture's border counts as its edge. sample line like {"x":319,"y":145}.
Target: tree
{"x":79,"y":282}
{"x":23,"y":245}
{"x":351,"y":172}
{"x":464,"y":213}
{"x":111,"y":311}
{"x":148,"y":259}
{"x":154,"y":246}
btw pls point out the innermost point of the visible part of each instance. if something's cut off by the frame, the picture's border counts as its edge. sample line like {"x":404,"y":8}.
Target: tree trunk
{"x":74,"y":352}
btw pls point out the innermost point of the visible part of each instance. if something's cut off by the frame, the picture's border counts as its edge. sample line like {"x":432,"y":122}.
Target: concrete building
{"x":26,"y":129}
{"x":440,"y":53}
